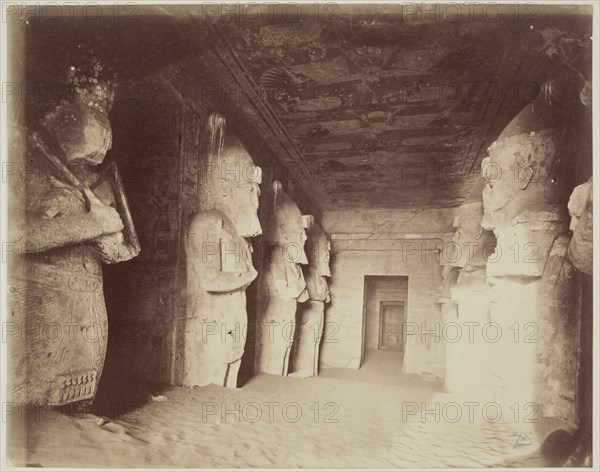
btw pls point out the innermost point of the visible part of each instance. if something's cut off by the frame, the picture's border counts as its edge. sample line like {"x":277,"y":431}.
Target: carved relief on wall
{"x":152,"y":181}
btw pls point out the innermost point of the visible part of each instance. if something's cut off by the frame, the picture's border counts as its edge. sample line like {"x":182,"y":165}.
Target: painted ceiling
{"x":377,"y":112}
{"x":388,"y":113}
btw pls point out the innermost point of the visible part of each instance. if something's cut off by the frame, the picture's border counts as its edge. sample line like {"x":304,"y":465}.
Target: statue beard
{"x":247,"y":224}
{"x":303,"y":258}
{"x":294,"y":253}
{"x":288,"y":253}
{"x":495,"y":208}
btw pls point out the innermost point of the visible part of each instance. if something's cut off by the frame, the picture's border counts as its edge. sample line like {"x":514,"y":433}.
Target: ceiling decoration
{"x":389,"y":114}
{"x":364,"y":109}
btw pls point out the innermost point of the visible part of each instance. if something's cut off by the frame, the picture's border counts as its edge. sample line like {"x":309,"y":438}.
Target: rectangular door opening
{"x":384,"y":319}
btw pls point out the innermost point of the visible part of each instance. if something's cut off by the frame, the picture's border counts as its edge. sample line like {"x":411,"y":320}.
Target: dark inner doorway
{"x":385,"y":306}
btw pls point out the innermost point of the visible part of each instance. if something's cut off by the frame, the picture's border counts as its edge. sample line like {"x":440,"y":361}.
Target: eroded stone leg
{"x":274,"y":346}
{"x":306,"y":360}
{"x":206,"y":355}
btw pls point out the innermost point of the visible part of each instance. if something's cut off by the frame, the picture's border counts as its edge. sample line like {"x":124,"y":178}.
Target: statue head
{"x":520,"y":171}
{"x":317,"y":250}
{"x":581,"y":246}
{"x":79,"y":124}
{"x":233,"y":180}
{"x":288,"y":226}
{"x":580,"y":202}
{"x":238,"y":187}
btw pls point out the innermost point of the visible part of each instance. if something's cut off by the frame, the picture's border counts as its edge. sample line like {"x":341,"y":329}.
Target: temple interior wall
{"x":396,"y":243}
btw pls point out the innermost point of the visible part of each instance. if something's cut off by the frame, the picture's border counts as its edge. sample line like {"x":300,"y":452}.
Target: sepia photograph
{"x":299,"y":235}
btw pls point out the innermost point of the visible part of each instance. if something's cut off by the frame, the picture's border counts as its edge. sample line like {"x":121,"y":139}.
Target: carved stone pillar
{"x":533,"y":292}
{"x":465,"y":336}
{"x":282,"y":285}
{"x":311,"y":313}
{"x":219,"y":263}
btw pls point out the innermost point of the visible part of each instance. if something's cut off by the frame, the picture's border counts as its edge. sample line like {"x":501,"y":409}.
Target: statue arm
{"x":58,"y":218}
{"x":316,"y":285}
{"x":41,"y":234}
{"x":204,"y":243}
{"x":286,"y":277}
{"x":120,"y":246}
{"x":231,"y":281}
{"x":324,"y":290}
{"x":114,"y":248}
{"x":296,"y":285}
{"x":222,"y":280}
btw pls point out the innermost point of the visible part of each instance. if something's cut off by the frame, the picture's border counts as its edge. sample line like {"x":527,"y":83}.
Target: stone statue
{"x":282,"y":285}
{"x":532,"y":285}
{"x":472,"y":244}
{"x":219,"y":262}
{"x":581,"y":247}
{"x":311,"y":313}
{"x":73,"y":217}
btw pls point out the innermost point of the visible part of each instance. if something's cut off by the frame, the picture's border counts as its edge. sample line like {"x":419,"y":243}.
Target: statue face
{"x":501,"y":186}
{"x":238,"y":198}
{"x":517,"y":175}
{"x":319,"y":248}
{"x":292,"y":236}
{"x":287,"y":227}
{"x":580,"y":201}
{"x":83,"y":133}
{"x":581,"y":246}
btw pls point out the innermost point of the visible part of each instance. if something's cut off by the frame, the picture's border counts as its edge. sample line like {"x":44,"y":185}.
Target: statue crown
{"x":90,"y":87}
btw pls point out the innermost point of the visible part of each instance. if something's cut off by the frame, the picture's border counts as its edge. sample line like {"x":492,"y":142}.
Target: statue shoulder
{"x":211,"y":226}
{"x":207,"y":220}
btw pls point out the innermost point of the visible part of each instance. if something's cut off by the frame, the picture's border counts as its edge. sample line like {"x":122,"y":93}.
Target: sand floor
{"x":343,"y":419}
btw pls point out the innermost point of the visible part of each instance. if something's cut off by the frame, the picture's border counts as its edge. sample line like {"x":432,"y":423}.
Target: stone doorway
{"x":385,"y":314}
